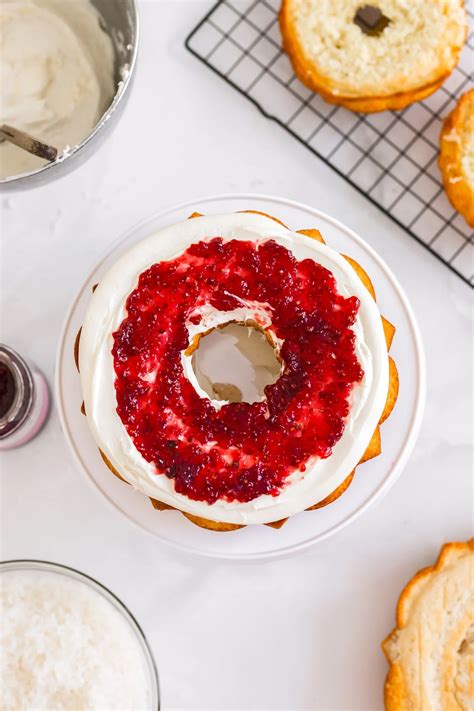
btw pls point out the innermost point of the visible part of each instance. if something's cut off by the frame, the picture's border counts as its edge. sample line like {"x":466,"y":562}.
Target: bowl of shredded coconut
{"x":67,"y":642}
{"x":65,"y":71}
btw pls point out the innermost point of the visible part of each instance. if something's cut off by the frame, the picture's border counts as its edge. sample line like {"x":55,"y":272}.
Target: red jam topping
{"x":242,"y":450}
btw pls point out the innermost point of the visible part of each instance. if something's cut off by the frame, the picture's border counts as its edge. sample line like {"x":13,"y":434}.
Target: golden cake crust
{"x":457,"y":154}
{"x":374,"y":447}
{"x":379,"y":98}
{"x":431,"y":649}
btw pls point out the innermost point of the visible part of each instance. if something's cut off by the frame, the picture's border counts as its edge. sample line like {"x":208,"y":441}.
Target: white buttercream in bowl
{"x":56,"y":75}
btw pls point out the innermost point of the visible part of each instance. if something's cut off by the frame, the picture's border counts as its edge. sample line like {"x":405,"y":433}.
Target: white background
{"x":300,"y":633}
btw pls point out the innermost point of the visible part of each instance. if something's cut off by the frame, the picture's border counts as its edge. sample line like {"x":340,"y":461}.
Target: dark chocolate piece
{"x":371,"y":20}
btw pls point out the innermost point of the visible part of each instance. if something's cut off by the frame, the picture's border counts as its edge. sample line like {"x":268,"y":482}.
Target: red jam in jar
{"x":24,"y":400}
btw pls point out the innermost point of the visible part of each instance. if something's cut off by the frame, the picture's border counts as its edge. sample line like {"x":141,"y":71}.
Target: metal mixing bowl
{"x":120,"y":21}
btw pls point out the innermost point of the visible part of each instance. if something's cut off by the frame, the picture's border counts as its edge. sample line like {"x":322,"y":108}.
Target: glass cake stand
{"x":399,"y":432}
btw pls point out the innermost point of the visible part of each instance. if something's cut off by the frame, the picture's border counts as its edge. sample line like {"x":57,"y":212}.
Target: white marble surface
{"x":300,"y":633}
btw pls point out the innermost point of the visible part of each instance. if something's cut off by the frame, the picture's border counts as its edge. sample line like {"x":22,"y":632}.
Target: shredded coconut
{"x":64,"y":646}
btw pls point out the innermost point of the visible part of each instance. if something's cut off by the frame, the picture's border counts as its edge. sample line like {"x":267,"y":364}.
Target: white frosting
{"x":107,"y":310}
{"x":56,"y":75}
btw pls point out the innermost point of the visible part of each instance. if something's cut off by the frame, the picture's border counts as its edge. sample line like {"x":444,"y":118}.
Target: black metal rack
{"x":390,"y":157}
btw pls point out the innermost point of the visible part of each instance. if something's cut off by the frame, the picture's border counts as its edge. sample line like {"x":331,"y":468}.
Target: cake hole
{"x":235,"y":363}
{"x":371,"y":20}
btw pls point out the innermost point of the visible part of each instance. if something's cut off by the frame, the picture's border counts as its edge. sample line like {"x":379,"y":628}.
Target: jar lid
{"x":22,"y":385}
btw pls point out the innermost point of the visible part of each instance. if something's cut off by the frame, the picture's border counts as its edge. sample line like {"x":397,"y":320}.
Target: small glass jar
{"x":24,"y":400}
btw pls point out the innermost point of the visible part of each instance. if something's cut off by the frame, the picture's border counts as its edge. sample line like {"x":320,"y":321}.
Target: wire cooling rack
{"x":390,"y":157}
